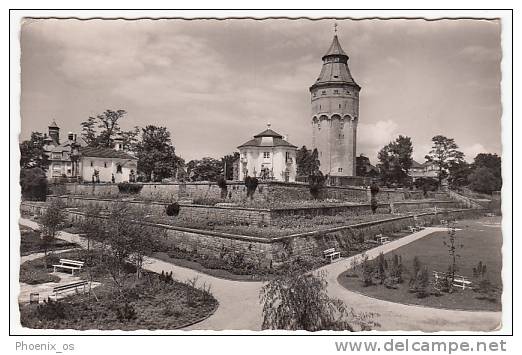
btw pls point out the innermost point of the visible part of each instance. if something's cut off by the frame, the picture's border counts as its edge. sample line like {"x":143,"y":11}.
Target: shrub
{"x":172,"y":209}
{"x":50,"y":310}
{"x":222,"y":183}
{"x":381,"y":268}
{"x":367,"y":271}
{"x":396,"y":269}
{"x":251,"y":185}
{"x":128,"y":188}
{"x":125,"y":313}
{"x":316,"y":184}
{"x":34,"y":184}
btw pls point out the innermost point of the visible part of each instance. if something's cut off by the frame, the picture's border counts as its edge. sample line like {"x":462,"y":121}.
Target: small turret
{"x":54,"y":132}
{"x":118,"y":142}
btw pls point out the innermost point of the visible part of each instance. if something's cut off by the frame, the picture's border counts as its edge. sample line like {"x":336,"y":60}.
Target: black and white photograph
{"x":336,"y":173}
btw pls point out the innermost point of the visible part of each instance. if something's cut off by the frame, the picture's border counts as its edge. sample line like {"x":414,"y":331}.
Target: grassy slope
{"x":481,"y":243}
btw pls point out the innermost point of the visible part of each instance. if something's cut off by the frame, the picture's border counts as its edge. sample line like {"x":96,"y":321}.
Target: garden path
{"x":239,"y":306}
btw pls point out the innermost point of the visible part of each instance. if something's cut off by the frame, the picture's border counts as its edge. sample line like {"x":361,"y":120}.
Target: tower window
{"x":339,"y":105}
{"x":340,"y":170}
{"x":91,"y":162}
{"x":323,"y":92}
{"x":347,"y":92}
{"x":336,"y":76}
{"x":341,"y":136}
{"x":266,"y":155}
{"x":118,"y":168}
{"x":104,"y":164}
{"x":336,"y":91}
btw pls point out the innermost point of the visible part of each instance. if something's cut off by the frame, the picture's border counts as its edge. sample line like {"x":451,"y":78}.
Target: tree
{"x":126,"y":240}
{"x":491,"y":161}
{"x":33,"y":183}
{"x":300,"y":302}
{"x":395,"y":160}
{"x":156,"y":155}
{"x":206,"y":169}
{"x":483,"y":180}
{"x":50,"y":222}
{"x":459,"y":173}
{"x":32,"y":153}
{"x":99,"y":131}
{"x":307,"y":161}
{"x":227,"y":162}
{"x":131,"y":139}
{"x":444,"y":154}
{"x":486,"y":175}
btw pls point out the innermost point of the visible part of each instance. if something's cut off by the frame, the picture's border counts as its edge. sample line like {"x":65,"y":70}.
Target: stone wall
{"x":236,"y":191}
{"x":262,"y":251}
{"x":254,"y":216}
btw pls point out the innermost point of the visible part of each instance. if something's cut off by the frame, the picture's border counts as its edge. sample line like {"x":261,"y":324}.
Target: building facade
{"x":335,"y":114}
{"x":425,"y":170}
{"x":268,"y":157}
{"x":71,"y":160}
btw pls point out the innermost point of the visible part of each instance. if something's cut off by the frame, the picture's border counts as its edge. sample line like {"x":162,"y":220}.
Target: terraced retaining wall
{"x":236,"y":191}
{"x":242,"y":215}
{"x":266,"y":252}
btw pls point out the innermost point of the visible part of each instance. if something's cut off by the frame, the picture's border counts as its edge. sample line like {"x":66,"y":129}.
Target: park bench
{"x":69,"y":264}
{"x":331,"y":254}
{"x":459,"y":281}
{"x":72,"y":286}
{"x":379,"y":238}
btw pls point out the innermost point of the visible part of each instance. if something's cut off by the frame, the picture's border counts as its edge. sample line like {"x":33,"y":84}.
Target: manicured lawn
{"x":152,"y":303}
{"x":30,"y":242}
{"x":481,"y":240}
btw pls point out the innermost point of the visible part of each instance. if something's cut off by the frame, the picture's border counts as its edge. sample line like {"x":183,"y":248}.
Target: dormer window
{"x":266,"y":155}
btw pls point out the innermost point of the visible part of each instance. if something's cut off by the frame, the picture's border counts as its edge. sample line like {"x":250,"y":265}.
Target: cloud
{"x":371,"y":137}
{"x":471,"y":151}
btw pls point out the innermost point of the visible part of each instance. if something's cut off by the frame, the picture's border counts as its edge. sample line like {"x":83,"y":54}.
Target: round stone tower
{"x":335,"y":113}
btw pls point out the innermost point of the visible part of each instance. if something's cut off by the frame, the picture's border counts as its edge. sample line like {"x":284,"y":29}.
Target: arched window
{"x":118,"y":168}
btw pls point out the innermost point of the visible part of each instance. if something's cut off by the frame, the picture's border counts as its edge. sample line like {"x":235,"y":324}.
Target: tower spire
{"x":335,"y":28}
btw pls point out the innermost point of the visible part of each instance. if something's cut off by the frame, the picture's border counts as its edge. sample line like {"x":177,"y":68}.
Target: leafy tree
{"x":491,"y":161}
{"x":206,"y":169}
{"x":486,"y":176}
{"x":32,"y":154}
{"x":459,"y":173}
{"x":99,"y":131}
{"x":300,"y":302}
{"x":33,"y":183}
{"x":131,"y":139}
{"x":483,"y":180}
{"x":444,"y":154}
{"x":395,"y":160}
{"x":50,"y":222}
{"x":228,"y":165}
{"x":125,"y":240}
{"x":156,"y":155}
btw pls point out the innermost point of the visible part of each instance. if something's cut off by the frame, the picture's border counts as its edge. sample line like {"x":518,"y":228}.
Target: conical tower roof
{"x":335,"y":67}
{"x":335,"y":48}
{"x":53,"y":124}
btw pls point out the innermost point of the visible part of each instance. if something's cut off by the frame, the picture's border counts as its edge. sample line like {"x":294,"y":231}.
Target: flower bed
{"x":149,"y":303}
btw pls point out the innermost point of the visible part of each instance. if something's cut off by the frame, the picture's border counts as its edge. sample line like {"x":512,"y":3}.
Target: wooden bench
{"x":382,"y":239}
{"x":459,"y":281}
{"x":72,"y":286}
{"x":331,"y":254}
{"x":69,"y":264}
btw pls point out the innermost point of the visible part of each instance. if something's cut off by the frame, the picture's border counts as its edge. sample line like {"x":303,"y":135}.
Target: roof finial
{"x":268,"y":125}
{"x":335,"y":27}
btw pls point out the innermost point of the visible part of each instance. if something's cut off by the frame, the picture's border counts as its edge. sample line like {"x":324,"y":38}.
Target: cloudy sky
{"x":216,"y":83}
